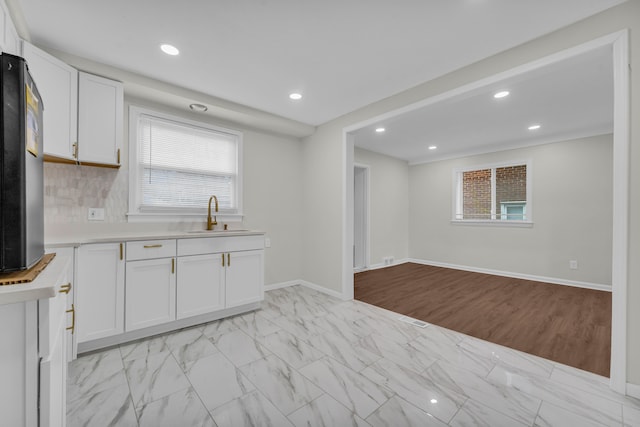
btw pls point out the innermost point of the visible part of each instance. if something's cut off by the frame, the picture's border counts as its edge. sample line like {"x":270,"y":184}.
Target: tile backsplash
{"x":70,"y":190}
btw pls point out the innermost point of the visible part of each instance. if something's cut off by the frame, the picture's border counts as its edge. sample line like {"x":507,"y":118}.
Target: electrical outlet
{"x":96,"y":214}
{"x":573,"y":264}
{"x":267,"y":242}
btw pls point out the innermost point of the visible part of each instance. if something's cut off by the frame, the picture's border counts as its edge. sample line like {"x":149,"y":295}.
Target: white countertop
{"x":76,"y":239}
{"x":44,"y":286}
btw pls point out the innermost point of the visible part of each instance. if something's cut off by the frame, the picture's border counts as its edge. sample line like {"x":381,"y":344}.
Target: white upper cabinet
{"x":9,"y":41}
{"x":58,"y":86}
{"x":100,"y":116}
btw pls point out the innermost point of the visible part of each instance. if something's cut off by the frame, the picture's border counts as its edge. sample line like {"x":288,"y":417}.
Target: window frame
{"x":457,"y":195}
{"x":135,"y":214}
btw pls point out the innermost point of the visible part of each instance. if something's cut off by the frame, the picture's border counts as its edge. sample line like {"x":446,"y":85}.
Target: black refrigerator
{"x":21,"y":175}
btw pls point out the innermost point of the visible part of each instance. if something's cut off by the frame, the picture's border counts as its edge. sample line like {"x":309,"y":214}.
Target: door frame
{"x":366,"y":214}
{"x":619,"y":42}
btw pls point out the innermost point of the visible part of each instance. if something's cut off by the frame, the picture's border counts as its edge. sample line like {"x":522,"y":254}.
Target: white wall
{"x":572,"y":214}
{"x":325,"y":153}
{"x":388,"y":203}
{"x":272,"y":199}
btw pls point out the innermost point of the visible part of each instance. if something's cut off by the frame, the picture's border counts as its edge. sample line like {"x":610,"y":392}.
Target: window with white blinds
{"x":180,"y":164}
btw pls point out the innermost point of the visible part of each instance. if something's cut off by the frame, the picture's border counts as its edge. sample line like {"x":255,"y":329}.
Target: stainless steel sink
{"x":217,"y":231}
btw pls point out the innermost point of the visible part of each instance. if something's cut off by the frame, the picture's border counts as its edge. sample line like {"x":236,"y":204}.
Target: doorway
{"x":360,"y":217}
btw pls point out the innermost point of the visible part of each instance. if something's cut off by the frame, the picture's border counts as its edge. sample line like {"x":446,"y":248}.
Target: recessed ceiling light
{"x":169,"y":49}
{"x":501,"y":94}
{"x":198,"y":108}
{"x":380,"y":130}
{"x":433,"y":147}
{"x":295,"y":96}
{"x":434,"y":401}
{"x":534,"y":127}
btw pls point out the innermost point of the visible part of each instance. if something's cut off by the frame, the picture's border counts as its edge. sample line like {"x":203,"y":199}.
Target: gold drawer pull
{"x":228,"y":260}
{"x":173,"y":265}
{"x":152,"y":246}
{"x":223,"y":260}
{"x":64,"y":289}
{"x":72,"y":328}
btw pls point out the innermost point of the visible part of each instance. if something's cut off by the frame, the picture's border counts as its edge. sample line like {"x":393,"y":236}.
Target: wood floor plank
{"x":562,"y":323}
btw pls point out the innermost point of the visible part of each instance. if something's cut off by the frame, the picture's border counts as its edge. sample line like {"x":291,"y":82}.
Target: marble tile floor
{"x":307,"y":359}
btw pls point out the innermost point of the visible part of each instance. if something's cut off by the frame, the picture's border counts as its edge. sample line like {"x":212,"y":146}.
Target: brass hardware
{"x":72,"y":328}
{"x":118,"y":156}
{"x":228,"y":260}
{"x":152,"y":246}
{"x":210,"y":223}
{"x":64,"y":289}
{"x":223,"y":260}
{"x":75,"y":150}
{"x":121,"y":251}
{"x":173,"y":265}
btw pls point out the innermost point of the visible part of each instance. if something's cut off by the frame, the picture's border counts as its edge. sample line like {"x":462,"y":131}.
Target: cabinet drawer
{"x":210,"y":245}
{"x":149,"y":249}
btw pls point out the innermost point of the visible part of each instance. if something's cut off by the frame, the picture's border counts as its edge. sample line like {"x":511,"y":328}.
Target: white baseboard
{"x":380,"y":265}
{"x":633,"y":390}
{"x":281,"y":285}
{"x":309,"y":285}
{"x":587,"y":285}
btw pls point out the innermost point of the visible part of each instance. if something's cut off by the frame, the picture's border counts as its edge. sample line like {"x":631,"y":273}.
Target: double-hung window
{"x":493,"y":194}
{"x":176,"y":165}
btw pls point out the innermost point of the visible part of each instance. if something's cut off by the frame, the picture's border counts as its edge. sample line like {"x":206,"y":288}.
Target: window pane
{"x":180,"y":165}
{"x":511,"y":190}
{"x":476,"y":194}
{"x":176,"y":189}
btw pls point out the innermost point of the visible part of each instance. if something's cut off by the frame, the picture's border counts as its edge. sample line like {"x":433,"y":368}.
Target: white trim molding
{"x":306,"y":284}
{"x":532,"y":277}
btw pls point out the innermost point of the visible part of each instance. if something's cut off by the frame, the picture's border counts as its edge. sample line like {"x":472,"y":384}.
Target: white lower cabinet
{"x":150,"y":293}
{"x":33,"y":364}
{"x":244,"y":278}
{"x":100,"y":291}
{"x":200,"y":285}
{"x":163,"y":281}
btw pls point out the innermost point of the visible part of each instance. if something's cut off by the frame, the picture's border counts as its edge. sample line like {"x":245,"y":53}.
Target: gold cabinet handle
{"x":228,"y":260}
{"x":118,"y":156}
{"x":152,"y":246}
{"x":64,"y":289}
{"x":173,"y":265}
{"x":72,"y":328}
{"x":121,"y":251}
{"x":223,"y":260}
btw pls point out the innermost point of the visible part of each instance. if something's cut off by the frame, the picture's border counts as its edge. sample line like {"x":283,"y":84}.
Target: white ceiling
{"x":568,"y":99}
{"x":341,"y":55}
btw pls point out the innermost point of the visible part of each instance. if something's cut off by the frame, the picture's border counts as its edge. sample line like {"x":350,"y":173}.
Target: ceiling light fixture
{"x":295,"y":96}
{"x":434,"y":401}
{"x":380,"y":130}
{"x":433,"y":147}
{"x":169,"y":49}
{"x":534,"y":127}
{"x":501,"y":94}
{"x":199,"y":108}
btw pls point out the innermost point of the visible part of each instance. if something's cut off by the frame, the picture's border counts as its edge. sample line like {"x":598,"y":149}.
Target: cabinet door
{"x":151,"y":293}
{"x":53,"y":371}
{"x":200,"y":285}
{"x":99,"y":291}
{"x":58,"y":86}
{"x":244,"y":278}
{"x":100,"y":115}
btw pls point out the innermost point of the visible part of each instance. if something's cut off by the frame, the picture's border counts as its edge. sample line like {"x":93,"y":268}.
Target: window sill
{"x":173,"y":217}
{"x":493,"y":223}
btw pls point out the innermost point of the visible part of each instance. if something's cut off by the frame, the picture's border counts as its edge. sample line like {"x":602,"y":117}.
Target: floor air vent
{"x":414,"y":322}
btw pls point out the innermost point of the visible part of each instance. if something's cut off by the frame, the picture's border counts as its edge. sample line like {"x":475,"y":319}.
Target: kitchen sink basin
{"x":217,"y":231}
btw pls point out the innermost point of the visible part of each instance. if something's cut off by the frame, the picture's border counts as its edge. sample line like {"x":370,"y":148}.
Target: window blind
{"x":180,"y":166}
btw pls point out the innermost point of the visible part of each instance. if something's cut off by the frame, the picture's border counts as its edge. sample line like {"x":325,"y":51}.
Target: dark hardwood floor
{"x":566,"y":324}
